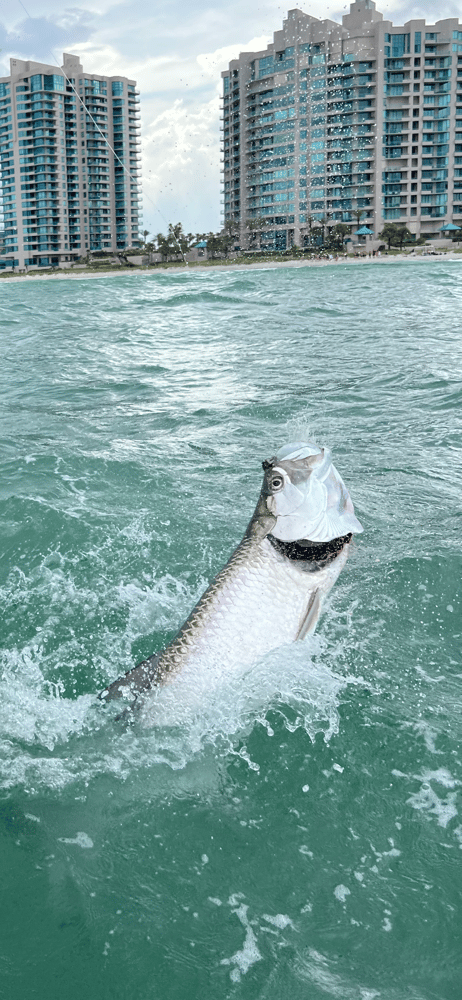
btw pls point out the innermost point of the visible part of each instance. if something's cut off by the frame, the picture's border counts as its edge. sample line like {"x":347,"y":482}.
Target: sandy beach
{"x":409,"y":258}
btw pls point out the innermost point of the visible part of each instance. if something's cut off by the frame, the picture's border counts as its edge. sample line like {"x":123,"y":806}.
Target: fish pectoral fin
{"x":141,"y":679}
{"x":311,"y":615}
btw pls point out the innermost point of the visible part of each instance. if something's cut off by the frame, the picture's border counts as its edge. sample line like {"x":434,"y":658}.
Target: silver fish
{"x":272,"y":588}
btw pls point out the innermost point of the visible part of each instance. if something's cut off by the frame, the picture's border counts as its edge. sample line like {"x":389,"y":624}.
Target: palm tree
{"x":340,"y":230}
{"x":231,"y":226}
{"x":323,"y":222}
{"x":358,"y":214}
{"x":255,"y":226}
{"x":309,"y":222}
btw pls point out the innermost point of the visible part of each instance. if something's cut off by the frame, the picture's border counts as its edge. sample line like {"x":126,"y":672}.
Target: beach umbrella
{"x":364,"y":231}
{"x":449,"y":228}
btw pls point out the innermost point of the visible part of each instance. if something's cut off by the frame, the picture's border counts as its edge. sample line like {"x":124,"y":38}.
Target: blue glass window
{"x":266,"y":66}
{"x":53,"y":82}
{"x":400,"y":44}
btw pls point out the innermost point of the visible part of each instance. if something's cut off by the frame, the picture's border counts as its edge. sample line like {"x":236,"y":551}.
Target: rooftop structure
{"x":69,"y":163}
{"x":358,"y":122}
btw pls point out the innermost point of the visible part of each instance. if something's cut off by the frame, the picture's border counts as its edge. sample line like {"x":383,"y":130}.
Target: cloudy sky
{"x":175,"y":50}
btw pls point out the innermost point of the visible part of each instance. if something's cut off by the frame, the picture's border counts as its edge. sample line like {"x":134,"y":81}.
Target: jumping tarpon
{"x":273,"y":586}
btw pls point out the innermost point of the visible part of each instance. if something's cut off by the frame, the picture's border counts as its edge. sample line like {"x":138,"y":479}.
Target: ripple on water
{"x":294,"y":829}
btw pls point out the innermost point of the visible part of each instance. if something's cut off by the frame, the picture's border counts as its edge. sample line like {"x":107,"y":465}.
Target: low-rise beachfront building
{"x":358,"y":122}
{"x":69,"y":163}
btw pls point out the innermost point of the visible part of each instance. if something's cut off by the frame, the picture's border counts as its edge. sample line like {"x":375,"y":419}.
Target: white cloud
{"x":214,"y":62}
{"x":180,"y":129}
{"x":400,"y":12}
{"x":181,"y":168}
{"x":169,"y":72}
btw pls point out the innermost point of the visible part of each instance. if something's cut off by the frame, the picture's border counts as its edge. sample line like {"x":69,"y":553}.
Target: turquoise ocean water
{"x":299,"y":834}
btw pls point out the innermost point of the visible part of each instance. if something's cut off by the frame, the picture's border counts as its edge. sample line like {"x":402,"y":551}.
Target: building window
{"x":53,"y":82}
{"x":400,"y":44}
{"x":265,"y":66}
{"x":117,"y":87}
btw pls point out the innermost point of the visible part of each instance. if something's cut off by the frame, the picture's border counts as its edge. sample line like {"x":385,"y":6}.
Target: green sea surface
{"x":298,"y":834}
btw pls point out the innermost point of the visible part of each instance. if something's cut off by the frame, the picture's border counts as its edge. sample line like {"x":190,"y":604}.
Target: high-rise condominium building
{"x":359,"y":121}
{"x":69,"y":163}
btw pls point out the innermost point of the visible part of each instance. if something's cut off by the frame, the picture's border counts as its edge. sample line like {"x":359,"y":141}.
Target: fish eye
{"x":277,"y":483}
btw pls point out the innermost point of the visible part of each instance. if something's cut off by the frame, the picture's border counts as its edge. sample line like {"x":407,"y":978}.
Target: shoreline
{"x":237,"y":266}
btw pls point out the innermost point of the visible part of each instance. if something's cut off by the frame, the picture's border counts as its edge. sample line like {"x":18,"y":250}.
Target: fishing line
{"x":108,"y":144}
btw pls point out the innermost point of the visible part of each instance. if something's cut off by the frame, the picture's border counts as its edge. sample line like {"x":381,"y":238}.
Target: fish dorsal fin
{"x":311,"y":615}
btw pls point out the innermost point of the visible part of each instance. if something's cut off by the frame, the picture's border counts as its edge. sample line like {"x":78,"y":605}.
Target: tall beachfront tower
{"x":69,"y":163}
{"x":333,"y":120}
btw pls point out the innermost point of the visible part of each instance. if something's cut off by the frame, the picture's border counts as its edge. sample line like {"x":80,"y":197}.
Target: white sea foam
{"x":81,"y":839}
{"x":274,"y":924}
{"x":207,"y":709}
{"x":427,"y":800}
{"x":280,"y":920}
{"x":178,"y":721}
{"x":243,"y":959}
{"x":34,"y":713}
{"x":293,"y":680}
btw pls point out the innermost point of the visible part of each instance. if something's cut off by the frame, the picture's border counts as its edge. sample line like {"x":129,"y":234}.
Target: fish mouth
{"x":313,"y":555}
